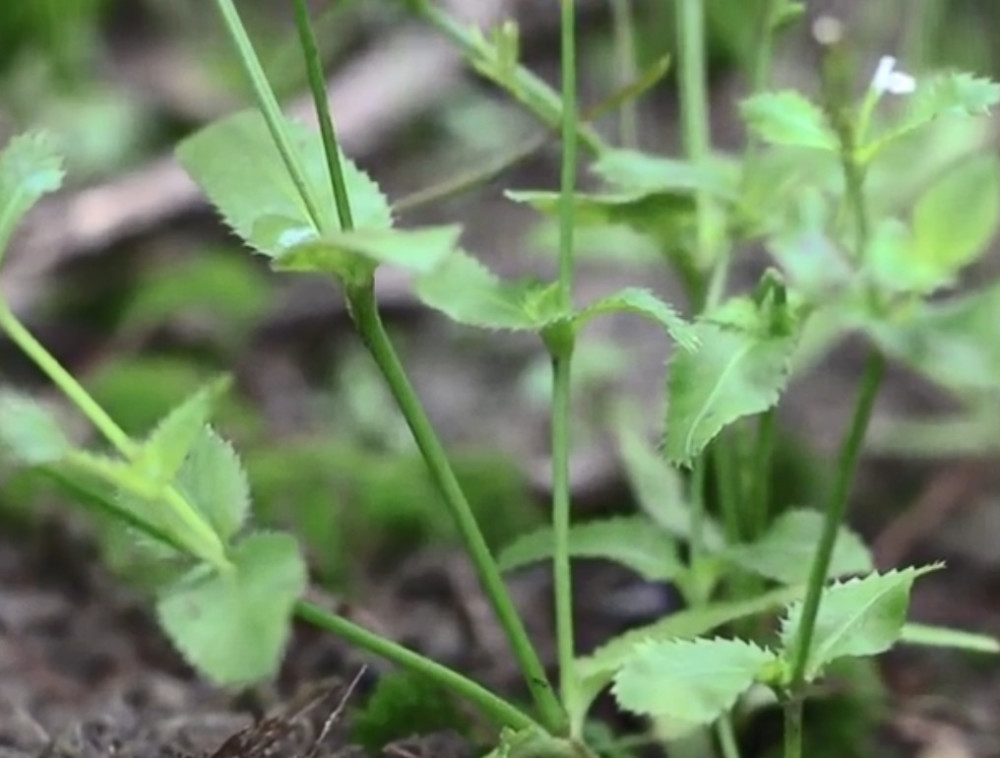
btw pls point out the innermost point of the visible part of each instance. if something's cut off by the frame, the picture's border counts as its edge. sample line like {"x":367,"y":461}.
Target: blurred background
{"x":129,"y":278}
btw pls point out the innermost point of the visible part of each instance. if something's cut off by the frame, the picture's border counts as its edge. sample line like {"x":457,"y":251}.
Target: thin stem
{"x":834,"y":517}
{"x":764,"y":58}
{"x":65,"y":381}
{"x":498,"y":709}
{"x":200,"y":536}
{"x":727,"y":737}
{"x":560,"y":343}
{"x":724,"y":455}
{"x":364,"y":311}
{"x":569,"y":142}
{"x":624,"y":30}
{"x":763,"y":454}
{"x":699,"y":480}
{"x":317,"y":83}
{"x":694,"y":107}
{"x":524,"y":85}
{"x":793,"y":727}
{"x":562,"y":576}
{"x":269,"y":107}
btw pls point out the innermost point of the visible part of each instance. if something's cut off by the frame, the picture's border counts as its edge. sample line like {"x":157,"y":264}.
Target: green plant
{"x":816,"y":185}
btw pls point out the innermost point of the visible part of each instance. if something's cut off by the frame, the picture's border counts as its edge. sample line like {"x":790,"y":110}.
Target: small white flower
{"x":888,"y":79}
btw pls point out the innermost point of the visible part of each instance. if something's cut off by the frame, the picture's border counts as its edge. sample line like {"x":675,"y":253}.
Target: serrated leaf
{"x":956,"y":218}
{"x":956,"y":639}
{"x":666,"y":216}
{"x":30,"y":435}
{"x":598,"y":669}
{"x":630,"y":541}
{"x":214,"y":481}
{"x":859,"y":617}
{"x":233,"y":626}
{"x":296,"y":247}
{"x":785,"y":553}
{"x":740,"y":369}
{"x":632,"y":171}
{"x":789,"y":119}
{"x":467,"y":292}
{"x":952,"y":342}
{"x":165,"y":449}
{"x":236,"y":164}
{"x":945,"y":94}
{"x":643,"y":303}
{"x":690,"y":682}
{"x":659,"y":490}
{"x":30,"y":168}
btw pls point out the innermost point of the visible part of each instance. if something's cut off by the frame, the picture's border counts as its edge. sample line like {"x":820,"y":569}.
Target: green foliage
{"x":689,"y":683}
{"x":858,"y":617}
{"x":740,"y":369}
{"x":165,"y":450}
{"x":785,"y":552}
{"x":659,"y":490}
{"x":225,"y":288}
{"x":237,"y":165}
{"x":30,"y":435}
{"x":599,"y":668}
{"x":212,"y":479}
{"x":947,"y":94}
{"x":932,"y":253}
{"x":30,"y":168}
{"x":628,"y":541}
{"x":952,"y":342}
{"x":233,"y":624}
{"x":404,"y":705}
{"x":788,"y":119}
{"x":467,"y":292}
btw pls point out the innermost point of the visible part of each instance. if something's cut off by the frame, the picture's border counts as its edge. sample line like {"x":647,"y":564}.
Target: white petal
{"x":883,"y":74}
{"x":901,"y":84}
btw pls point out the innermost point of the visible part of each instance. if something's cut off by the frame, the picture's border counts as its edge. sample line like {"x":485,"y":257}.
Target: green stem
{"x":317,"y":83}
{"x":624,"y":30}
{"x":562,"y":577}
{"x":65,"y":381}
{"x":694,"y":107}
{"x":364,"y":311}
{"x":269,"y":107}
{"x":764,"y":58}
{"x":498,"y":709}
{"x":523,"y":85}
{"x":834,"y":517}
{"x":560,"y":342}
{"x":199,"y":537}
{"x":762,"y":471}
{"x":793,"y":727}
{"x":728,"y":745}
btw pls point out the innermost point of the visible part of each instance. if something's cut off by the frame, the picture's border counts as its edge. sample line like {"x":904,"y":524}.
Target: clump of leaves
{"x":405,"y":705}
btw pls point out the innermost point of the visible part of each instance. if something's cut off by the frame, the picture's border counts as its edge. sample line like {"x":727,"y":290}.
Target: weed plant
{"x":869,"y":203}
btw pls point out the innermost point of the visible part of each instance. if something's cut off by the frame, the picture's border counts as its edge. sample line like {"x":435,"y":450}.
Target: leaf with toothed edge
{"x":236,"y":164}
{"x":859,"y":617}
{"x":233,"y":626}
{"x":690,"y":682}
{"x":630,"y":541}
